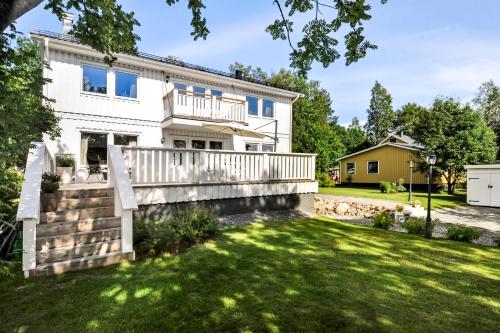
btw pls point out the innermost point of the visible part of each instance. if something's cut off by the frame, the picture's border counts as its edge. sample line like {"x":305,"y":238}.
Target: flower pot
{"x":66,"y":174}
{"x":399,"y":217}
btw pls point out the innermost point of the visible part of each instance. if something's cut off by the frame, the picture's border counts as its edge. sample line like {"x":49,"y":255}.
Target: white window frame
{"x":346,"y":169}
{"x":126,"y":71}
{"x":267,"y":144}
{"x":259,"y":107}
{"x":368,"y":170}
{"x":90,"y":93}
{"x":262,"y":107}
{"x":189,"y":142}
{"x":251,"y":143}
{"x":82,"y":131}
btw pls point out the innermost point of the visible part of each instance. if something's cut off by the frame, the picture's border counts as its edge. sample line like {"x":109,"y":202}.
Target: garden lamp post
{"x":431,"y":160}
{"x":410,"y":198}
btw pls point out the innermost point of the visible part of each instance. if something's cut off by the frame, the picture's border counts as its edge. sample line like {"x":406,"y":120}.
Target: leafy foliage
{"x":65,"y":161}
{"x":416,"y":225}
{"x":458,"y":136}
{"x":383,"y":220}
{"x":184,"y":228}
{"x":487,"y":101}
{"x":50,"y":182}
{"x":325,"y":180}
{"x":381,"y":116}
{"x":10,"y":187}
{"x":353,"y":137}
{"x":462,"y":233}
{"x":407,"y":117}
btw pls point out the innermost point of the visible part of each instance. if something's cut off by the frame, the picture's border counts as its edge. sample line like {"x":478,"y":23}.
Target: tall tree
{"x":487,"y":101}
{"x":458,"y":135}
{"x":107,"y":27}
{"x":407,"y":117}
{"x":353,"y":136}
{"x":381,"y":116}
{"x":355,"y":123}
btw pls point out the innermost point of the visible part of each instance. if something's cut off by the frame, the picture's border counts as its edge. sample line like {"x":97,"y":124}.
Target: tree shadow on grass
{"x":300,"y":276}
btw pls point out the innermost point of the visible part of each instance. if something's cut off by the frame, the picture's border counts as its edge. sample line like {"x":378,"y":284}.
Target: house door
{"x":478,"y":189}
{"x":495,"y":190}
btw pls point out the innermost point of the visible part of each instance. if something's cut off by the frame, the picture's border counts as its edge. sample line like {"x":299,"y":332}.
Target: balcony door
{"x":93,"y":149}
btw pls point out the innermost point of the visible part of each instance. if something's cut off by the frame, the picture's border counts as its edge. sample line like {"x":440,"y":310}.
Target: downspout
{"x":291,"y":120}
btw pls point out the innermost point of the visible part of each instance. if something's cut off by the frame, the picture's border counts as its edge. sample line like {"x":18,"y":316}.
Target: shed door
{"x":495,"y":190}
{"x":478,"y":192}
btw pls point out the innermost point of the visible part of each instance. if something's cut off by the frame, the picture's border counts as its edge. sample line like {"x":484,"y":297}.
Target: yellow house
{"x":387,"y":161}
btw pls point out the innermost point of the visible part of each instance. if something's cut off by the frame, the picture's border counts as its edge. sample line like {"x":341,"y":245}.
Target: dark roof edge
{"x":71,"y":39}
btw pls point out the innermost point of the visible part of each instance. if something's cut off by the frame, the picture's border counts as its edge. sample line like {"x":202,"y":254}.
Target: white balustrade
{"x":190,"y":166}
{"x":187,"y":103}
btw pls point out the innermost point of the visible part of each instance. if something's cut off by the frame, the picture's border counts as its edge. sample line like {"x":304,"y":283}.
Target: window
{"x":252,"y":147}
{"x":125,"y":140}
{"x":267,"y":148}
{"x":198,"y":144}
{"x":216,"y":145}
{"x":95,"y":80}
{"x":199,"y":91}
{"x":181,"y":87}
{"x":267,"y":108}
{"x":94,"y":149}
{"x":373,"y":167}
{"x":350,"y":168}
{"x":253,"y":106}
{"x":180,"y":144}
{"x":216,"y":93}
{"x":125,"y":84}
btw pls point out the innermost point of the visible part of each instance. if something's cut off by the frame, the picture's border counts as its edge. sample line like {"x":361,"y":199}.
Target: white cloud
{"x":468,"y":77}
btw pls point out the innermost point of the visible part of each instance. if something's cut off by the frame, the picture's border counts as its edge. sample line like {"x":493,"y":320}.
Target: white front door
{"x":478,"y":192}
{"x":495,"y":190}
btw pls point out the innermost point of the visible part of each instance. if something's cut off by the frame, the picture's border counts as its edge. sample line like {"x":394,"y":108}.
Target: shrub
{"x":65,"y":161}
{"x":386,"y":187}
{"x":383,"y":220}
{"x":50,"y":182}
{"x":325,"y":180}
{"x":462,"y":233}
{"x":416,"y":225}
{"x":349,"y":178}
{"x":400,"y":188}
{"x":11,"y":182}
{"x":496,"y":240}
{"x":184,"y":228}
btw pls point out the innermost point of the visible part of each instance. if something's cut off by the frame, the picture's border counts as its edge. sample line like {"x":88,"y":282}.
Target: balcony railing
{"x":189,"y":166}
{"x":204,"y":106}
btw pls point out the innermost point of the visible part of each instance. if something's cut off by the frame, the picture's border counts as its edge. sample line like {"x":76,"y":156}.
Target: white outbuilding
{"x":483,"y":185}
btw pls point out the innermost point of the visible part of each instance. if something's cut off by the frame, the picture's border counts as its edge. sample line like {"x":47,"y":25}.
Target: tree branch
{"x":11,"y":10}
{"x":286,"y":25}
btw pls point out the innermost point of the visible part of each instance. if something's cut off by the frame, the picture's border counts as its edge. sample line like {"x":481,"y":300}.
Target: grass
{"x":439,"y":200}
{"x":315,"y":275}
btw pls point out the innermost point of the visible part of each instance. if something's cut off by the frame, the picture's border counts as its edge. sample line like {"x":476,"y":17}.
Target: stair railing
{"x":28,"y":212}
{"x":125,"y":202}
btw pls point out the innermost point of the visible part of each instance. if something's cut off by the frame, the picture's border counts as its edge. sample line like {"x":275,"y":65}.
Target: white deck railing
{"x":169,"y":165}
{"x":187,"y":103}
{"x":39,"y":161}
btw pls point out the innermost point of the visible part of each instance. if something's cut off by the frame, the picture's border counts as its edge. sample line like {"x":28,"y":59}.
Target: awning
{"x":234,"y":129}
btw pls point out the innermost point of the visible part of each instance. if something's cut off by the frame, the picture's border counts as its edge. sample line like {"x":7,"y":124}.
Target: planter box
{"x":399,"y":217}
{"x":66,"y":174}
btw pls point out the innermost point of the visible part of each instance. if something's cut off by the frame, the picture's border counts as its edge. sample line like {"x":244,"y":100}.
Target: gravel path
{"x":279,"y":215}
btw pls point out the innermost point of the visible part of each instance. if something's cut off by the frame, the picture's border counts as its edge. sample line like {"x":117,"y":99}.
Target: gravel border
{"x":247,"y":218}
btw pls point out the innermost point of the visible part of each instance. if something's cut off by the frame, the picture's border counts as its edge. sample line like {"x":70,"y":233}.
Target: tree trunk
{"x":451,"y":188}
{"x":11,"y":10}
{"x":451,"y":182}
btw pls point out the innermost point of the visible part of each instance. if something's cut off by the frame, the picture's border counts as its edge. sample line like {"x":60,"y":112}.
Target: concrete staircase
{"x":78,"y":230}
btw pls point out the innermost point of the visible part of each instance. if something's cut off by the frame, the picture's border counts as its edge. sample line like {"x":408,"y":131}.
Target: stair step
{"x":85,"y":193}
{"x":57,"y":228}
{"x":77,"y":238}
{"x":84,"y":250}
{"x":54,"y":204}
{"x":81,"y":263}
{"x":73,"y":215}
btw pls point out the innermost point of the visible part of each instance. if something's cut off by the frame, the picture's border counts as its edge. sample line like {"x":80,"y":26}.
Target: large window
{"x":199,"y":91}
{"x":95,"y":80}
{"x":181,"y":87}
{"x":267,"y":148}
{"x":125,"y":140}
{"x":216,"y":93}
{"x":94,"y":149}
{"x":267,"y":108}
{"x":350,"y":168}
{"x":253,"y":106}
{"x":180,"y":144}
{"x":216,"y":145}
{"x":126,"y":85}
{"x":252,"y":147}
{"x":373,"y":167}
{"x":198,"y":144}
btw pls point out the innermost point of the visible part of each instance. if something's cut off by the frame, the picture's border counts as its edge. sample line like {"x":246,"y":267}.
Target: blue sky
{"x":426,"y":48}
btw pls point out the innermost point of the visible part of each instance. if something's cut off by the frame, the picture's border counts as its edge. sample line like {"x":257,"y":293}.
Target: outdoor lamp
{"x":431,"y":159}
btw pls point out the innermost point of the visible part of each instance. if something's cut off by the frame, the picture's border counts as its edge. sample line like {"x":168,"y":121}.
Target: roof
{"x":398,"y":145}
{"x":165,"y":60}
{"x":403,"y":137}
{"x":483,"y":166}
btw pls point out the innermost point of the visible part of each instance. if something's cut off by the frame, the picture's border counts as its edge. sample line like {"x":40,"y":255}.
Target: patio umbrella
{"x":234,"y":129}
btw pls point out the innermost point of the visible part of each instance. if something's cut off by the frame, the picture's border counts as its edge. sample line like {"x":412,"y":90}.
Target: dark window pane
{"x":94,"y":80}
{"x":94,"y":148}
{"x":125,"y":140}
{"x":181,"y":87}
{"x":180,"y":144}
{"x":216,"y":145}
{"x":217,"y":93}
{"x":253,"y":106}
{"x":126,"y":85}
{"x":373,"y":167}
{"x":251,"y":147}
{"x":267,"y":108}
{"x":198,"y":144}
{"x":268,"y":148}
{"x":199,"y":91}
{"x":350,"y":168}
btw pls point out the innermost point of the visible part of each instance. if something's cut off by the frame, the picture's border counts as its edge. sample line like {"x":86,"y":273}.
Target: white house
{"x":164,"y":132}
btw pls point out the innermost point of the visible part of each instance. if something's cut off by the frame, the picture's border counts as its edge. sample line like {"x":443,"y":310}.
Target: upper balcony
{"x":203,"y":106}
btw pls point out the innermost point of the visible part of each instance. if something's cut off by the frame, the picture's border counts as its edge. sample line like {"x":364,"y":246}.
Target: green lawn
{"x":316,"y":275}
{"x":439,"y":200}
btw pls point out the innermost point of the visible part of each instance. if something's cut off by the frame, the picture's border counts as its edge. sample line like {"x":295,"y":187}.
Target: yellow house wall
{"x":393,"y":164}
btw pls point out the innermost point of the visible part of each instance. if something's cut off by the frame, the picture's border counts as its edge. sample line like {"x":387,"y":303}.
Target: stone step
{"x":81,"y":263}
{"x":80,"y":251}
{"x":73,"y":215}
{"x":54,"y":204}
{"x":82,"y":193}
{"x":57,"y":228}
{"x":77,"y":238}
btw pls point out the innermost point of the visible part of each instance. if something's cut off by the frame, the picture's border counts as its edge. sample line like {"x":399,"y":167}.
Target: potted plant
{"x":64,"y":168}
{"x":399,"y":215}
{"x":50,"y":182}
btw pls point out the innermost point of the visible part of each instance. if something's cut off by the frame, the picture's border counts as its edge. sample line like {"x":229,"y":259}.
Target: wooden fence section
{"x":189,"y":166}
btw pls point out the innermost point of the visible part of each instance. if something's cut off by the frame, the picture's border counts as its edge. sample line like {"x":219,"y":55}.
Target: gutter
{"x":299,"y":95}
